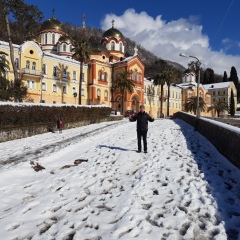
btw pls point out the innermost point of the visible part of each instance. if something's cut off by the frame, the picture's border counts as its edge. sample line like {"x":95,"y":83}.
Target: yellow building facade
{"x":46,"y":67}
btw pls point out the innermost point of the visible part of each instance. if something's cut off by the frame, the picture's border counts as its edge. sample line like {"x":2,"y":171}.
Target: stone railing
{"x":225,"y":137}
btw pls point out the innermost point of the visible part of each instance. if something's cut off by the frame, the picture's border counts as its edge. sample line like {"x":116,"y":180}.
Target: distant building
{"x":222,"y":91}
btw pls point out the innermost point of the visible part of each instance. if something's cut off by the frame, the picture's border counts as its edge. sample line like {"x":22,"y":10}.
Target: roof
{"x":51,"y":23}
{"x":113,"y":32}
{"x":217,"y":85}
{"x":97,"y":47}
{"x":65,"y":38}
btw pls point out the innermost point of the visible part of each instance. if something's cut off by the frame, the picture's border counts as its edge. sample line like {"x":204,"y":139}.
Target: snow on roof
{"x":217,"y":85}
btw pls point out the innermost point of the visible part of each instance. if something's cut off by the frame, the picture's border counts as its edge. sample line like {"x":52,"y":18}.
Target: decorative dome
{"x":32,"y":38}
{"x":51,"y":23}
{"x":113,"y":32}
{"x":65,"y":38}
{"x":97,"y":47}
{"x":187,"y":71}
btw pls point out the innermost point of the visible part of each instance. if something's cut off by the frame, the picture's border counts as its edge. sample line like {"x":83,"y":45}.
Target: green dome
{"x":97,"y":47}
{"x":32,"y":38}
{"x":189,"y":71}
{"x":65,"y":38}
{"x":51,"y":23}
{"x":112,"y":32}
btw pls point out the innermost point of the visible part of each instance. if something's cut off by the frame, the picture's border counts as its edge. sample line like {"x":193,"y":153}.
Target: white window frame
{"x":44,"y":68}
{"x":34,"y":66}
{"x":54,"y":71}
{"x":82,"y":92}
{"x":54,"y":87}
{"x":27,"y":64}
{"x":64,"y":87}
{"x":44,"y":86}
{"x":31,"y":84}
{"x":74,"y":75}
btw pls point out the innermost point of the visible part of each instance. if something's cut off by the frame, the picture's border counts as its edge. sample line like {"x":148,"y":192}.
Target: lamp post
{"x":198,"y":82}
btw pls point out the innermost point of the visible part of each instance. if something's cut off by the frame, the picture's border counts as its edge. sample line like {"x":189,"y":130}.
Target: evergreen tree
{"x":206,"y":78}
{"x":225,"y":78}
{"x":232,"y":104}
{"x":234,"y":78}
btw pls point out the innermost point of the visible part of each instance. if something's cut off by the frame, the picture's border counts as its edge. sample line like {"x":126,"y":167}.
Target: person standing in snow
{"x":60,"y":125}
{"x":142,"y":119}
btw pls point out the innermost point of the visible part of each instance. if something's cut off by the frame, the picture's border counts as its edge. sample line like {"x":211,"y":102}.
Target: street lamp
{"x":198,"y":82}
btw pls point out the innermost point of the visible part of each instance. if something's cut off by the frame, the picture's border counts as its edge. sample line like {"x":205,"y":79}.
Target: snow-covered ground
{"x":183,"y":188}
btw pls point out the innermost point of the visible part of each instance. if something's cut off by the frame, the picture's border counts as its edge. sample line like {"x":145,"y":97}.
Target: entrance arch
{"x":135,"y":103}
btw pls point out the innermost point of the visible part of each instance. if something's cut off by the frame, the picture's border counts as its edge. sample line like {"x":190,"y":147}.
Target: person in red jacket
{"x":60,"y":125}
{"x":142,"y":119}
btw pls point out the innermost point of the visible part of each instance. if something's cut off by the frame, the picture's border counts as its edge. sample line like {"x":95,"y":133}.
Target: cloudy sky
{"x":205,"y":29}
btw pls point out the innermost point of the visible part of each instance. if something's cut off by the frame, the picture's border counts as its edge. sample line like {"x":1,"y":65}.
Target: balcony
{"x":31,"y":72}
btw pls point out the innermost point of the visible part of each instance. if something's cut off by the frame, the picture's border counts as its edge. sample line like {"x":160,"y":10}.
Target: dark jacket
{"x":142,"y":119}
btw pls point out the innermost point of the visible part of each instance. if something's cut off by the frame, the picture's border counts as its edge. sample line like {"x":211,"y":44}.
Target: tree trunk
{"x":80,"y":84}
{"x":122,"y":101}
{"x":168,"y":100}
{"x":161,"y":101}
{"x":15,"y":72}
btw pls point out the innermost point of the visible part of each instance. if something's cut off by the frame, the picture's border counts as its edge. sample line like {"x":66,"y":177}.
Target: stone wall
{"x":22,"y":132}
{"x":224,"y":137}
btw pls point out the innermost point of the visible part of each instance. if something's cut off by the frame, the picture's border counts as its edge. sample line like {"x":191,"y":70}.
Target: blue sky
{"x":205,"y":29}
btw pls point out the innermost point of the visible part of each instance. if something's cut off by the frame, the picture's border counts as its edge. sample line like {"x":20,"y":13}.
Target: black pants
{"x":141,"y":135}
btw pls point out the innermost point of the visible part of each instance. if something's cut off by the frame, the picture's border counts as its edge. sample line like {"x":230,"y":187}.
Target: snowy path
{"x":182,"y":189}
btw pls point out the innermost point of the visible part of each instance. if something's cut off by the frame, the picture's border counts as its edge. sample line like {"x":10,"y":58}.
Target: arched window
{"x":112,"y":45}
{"x":45,"y":38}
{"x":105,"y":77}
{"x":53,"y":38}
{"x":121,"y":47}
{"x":106,"y":95}
{"x":135,"y":76}
{"x":17,"y":63}
{"x":27,"y":64}
{"x":64,"y":47}
{"x":44,"y":68}
{"x":98,"y":93}
{"x":33,"y":66}
{"x":64,"y":72}
{"x":54,"y":71}
{"x":100,"y":75}
{"x":74,"y":75}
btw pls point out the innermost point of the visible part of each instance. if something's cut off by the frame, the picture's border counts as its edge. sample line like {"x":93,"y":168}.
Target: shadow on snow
{"x":219,"y":173}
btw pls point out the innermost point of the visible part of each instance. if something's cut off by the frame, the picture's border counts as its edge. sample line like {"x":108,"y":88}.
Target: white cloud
{"x":168,"y":39}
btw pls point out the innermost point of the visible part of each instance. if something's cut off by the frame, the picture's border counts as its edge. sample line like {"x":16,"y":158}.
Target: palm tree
{"x":159,"y":80}
{"x":219,"y":106}
{"x":170,"y":77}
{"x":81,"y":52}
{"x":123,"y":84}
{"x":191,"y":104}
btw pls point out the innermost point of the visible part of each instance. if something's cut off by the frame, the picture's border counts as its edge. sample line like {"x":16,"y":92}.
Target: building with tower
{"x":46,"y":67}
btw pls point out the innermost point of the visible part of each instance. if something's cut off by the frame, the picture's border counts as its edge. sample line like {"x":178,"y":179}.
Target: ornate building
{"x":45,"y":65}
